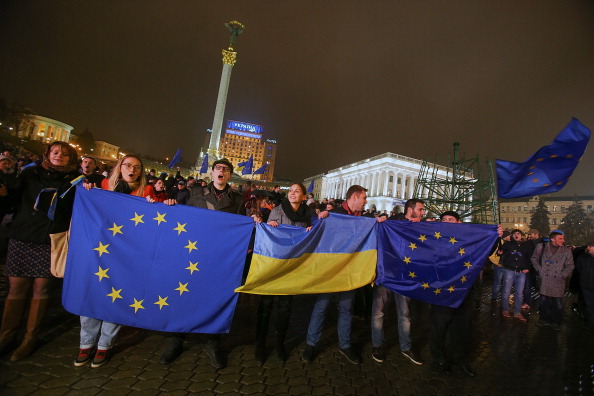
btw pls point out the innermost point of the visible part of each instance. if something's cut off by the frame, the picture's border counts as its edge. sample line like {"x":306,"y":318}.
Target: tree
{"x":577,"y":225}
{"x":539,"y":219}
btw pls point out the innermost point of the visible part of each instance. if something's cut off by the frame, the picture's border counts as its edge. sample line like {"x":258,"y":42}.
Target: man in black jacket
{"x":217,"y":195}
{"x":515,"y":258}
{"x":585,"y":268}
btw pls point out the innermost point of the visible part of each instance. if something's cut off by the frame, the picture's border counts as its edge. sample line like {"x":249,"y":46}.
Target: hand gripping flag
{"x":549,"y":169}
{"x":338,"y":254}
{"x":157,"y":267}
{"x":432,"y":262}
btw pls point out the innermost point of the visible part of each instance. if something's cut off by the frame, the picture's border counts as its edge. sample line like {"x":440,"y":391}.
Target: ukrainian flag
{"x":338,"y":254}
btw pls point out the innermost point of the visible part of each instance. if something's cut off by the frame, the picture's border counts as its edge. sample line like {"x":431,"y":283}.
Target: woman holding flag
{"x":40,"y":211}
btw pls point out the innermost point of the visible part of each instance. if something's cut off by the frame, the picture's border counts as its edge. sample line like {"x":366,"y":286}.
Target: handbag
{"x":59,"y":253}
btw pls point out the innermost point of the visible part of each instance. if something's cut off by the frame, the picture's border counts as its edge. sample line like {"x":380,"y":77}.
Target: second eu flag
{"x":157,"y":267}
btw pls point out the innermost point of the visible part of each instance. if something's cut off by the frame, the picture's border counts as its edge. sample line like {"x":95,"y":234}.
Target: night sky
{"x":333,"y":82}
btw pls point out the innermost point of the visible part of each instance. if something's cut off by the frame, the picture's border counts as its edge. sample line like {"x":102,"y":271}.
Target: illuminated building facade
{"x":105,"y":151}
{"x":242,"y":140}
{"x":44,"y":129}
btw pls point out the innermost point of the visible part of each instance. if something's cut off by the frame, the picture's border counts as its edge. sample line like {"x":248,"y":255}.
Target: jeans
{"x":345,"y":318}
{"x":380,"y":298}
{"x":93,"y":329}
{"x":497,"y":279}
{"x":517,"y":280}
{"x":530,"y":283}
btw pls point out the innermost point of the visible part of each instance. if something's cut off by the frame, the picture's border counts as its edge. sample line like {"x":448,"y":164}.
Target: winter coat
{"x":585,"y":266}
{"x":203,"y":197}
{"x":553,"y":269}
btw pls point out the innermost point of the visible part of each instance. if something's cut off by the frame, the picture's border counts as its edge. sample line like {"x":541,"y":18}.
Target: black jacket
{"x":203,"y":197}
{"x":516,"y":255}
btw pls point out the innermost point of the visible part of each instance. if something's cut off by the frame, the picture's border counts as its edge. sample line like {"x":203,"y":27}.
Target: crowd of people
{"x":533,"y":267}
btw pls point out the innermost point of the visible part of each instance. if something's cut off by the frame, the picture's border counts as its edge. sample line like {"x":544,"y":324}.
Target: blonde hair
{"x":116,"y":175}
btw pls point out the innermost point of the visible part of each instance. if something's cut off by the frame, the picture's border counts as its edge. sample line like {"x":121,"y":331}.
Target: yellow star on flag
{"x":425,"y":285}
{"x":161,"y":302}
{"x":422,"y":238}
{"x":437,"y":235}
{"x":453,"y":240}
{"x":452,"y":289}
{"x":160,"y":218}
{"x":101,"y":248}
{"x":411,"y":274}
{"x":413,"y":246}
{"x":407,"y":260}
{"x":116,"y":229}
{"x":180,"y":228}
{"x":193,"y":267}
{"x":461,"y":251}
{"x":191,"y":246}
{"x":115,"y":294}
{"x":463,"y":279}
{"x":102,"y":273}
{"x":182,"y":288}
{"x":437,"y":291}
{"x":137,"y":305}
{"x":467,"y":264}
{"x":137,"y":218}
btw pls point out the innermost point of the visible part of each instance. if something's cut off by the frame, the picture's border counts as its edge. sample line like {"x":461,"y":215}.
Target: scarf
{"x":300,"y":216}
{"x":123,"y":187}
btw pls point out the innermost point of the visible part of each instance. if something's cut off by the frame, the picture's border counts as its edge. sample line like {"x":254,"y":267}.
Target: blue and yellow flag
{"x":549,"y":169}
{"x":338,"y":254}
{"x":157,"y":267}
{"x":430,"y":261}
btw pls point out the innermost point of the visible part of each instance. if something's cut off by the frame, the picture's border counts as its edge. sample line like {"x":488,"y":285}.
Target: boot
{"x":263,"y":316}
{"x":282,"y":324}
{"x":11,"y":320}
{"x":36,"y":314}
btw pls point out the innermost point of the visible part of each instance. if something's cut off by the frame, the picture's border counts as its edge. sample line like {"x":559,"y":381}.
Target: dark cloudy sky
{"x":332,"y":81}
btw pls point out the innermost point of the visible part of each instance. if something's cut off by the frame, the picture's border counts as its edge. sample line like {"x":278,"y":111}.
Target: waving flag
{"x":261,"y":170}
{"x":158,"y":267}
{"x":176,"y":159}
{"x":311,"y":186}
{"x":432,"y":262}
{"x":338,"y":254}
{"x":549,"y":169}
{"x":204,"y":167}
{"x":247,"y":166}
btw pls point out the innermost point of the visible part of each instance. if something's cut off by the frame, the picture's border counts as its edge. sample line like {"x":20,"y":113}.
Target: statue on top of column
{"x":235,"y":28}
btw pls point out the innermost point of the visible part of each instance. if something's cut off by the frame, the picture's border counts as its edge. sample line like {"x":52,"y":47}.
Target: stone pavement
{"x":511,"y":358}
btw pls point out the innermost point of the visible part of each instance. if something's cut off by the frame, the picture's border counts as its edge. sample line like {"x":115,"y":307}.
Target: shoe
{"x":442,"y":368}
{"x":520,"y":317}
{"x":101,"y":357}
{"x":350,"y":355}
{"x":172,"y":352}
{"x":467,"y":369}
{"x":84,"y":356}
{"x":214,"y":353}
{"x":505,"y":314}
{"x":37,"y":311}
{"x":525,"y":306}
{"x":378,"y":355}
{"x":308,"y":354}
{"x":413,"y":357}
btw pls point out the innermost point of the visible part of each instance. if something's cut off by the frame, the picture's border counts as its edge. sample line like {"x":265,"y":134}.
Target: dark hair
{"x":301,"y":186}
{"x":89,"y":157}
{"x":554,"y":233}
{"x":517,"y":230}
{"x":450,"y":213}
{"x":355,"y":188}
{"x":412,"y":203}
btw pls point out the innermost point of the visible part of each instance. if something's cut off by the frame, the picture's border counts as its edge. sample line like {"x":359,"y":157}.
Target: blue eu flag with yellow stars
{"x":431,"y":261}
{"x":157,"y":267}
{"x":549,"y":169}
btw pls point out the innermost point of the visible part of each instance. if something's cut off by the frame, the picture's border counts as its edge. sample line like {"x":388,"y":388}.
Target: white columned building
{"x":389,"y":178}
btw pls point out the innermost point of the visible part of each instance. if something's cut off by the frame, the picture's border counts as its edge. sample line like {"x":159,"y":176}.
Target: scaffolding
{"x":463,"y":186}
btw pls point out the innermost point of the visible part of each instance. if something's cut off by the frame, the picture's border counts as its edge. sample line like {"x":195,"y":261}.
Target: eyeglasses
{"x":130,"y":166}
{"x":222,"y":168}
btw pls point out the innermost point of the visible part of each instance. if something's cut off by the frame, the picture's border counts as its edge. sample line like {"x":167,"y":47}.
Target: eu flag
{"x":204,"y":167}
{"x":157,"y":267}
{"x":549,"y":169}
{"x":430,"y":261}
{"x":176,"y":158}
{"x":248,"y":166}
{"x":311,"y":187}
{"x":261,"y":170}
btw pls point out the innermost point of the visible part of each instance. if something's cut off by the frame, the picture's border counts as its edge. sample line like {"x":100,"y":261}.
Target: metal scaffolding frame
{"x":464,"y":186}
